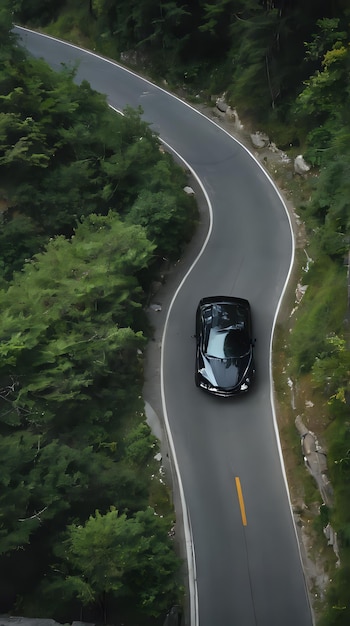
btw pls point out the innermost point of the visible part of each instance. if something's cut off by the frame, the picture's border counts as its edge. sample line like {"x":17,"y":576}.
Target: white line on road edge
{"x":190,"y":550}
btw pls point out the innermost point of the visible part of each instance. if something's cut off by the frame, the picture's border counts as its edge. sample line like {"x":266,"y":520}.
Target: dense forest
{"x":90,"y":204}
{"x":285,"y":63}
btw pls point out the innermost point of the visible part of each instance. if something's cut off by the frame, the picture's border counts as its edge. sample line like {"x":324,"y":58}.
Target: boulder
{"x":300,"y":165}
{"x":155,"y":307}
{"x":259,"y":140}
{"x":233,"y":116}
{"x":189,"y":191}
{"x":221,"y":105}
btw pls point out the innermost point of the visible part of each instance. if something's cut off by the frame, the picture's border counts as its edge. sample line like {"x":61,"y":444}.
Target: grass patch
{"x":75,"y":23}
{"x":322,"y":311}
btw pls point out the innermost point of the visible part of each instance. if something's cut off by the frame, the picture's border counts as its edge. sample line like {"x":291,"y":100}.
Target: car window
{"x":226,"y":331}
{"x":228,"y":343}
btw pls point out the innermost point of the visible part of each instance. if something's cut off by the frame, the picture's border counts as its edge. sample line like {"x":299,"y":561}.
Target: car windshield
{"x":228,"y":343}
{"x":226,"y":335}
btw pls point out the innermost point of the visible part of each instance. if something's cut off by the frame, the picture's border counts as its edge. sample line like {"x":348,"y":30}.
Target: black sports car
{"x":224,"y":353}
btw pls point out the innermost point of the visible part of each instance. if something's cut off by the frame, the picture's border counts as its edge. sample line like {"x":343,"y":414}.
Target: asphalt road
{"x":248,"y":563}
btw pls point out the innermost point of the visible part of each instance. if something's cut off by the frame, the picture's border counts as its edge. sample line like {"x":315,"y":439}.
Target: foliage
{"x":250,"y":39}
{"x":326,"y":102}
{"x":337,"y":611}
{"x":73,"y":253}
{"x":321,"y":95}
{"x":114,"y":554}
{"x":64,"y":155}
{"x":35,"y":489}
{"x":286,"y":63}
{"x":84,"y":287}
{"x":160,"y":215}
{"x":321,"y":309}
{"x":36,"y":11}
{"x":331,"y":370}
{"x":139,"y":444}
{"x":323,"y":107}
{"x":67,"y":342}
{"x":327,"y":35}
{"x":19,"y":237}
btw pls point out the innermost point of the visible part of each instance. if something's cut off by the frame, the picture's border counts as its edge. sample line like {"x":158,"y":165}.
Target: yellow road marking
{"x":241,"y":501}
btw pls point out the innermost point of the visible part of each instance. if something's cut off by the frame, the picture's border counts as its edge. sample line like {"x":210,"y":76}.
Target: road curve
{"x":249,"y":570}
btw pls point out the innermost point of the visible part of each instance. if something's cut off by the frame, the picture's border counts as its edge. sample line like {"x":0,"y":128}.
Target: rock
{"x":315,"y":460}
{"x":259,"y":140}
{"x":300,"y":292}
{"x":284,"y":158}
{"x":308,"y":445}
{"x":300,"y":426}
{"x":300,"y":165}
{"x":129,"y":56}
{"x":273,"y":147}
{"x":221,"y":105}
{"x":155,"y":307}
{"x":189,"y":190}
{"x":233,"y":116}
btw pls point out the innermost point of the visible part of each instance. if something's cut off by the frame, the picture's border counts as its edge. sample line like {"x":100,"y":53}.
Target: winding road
{"x":247,"y":569}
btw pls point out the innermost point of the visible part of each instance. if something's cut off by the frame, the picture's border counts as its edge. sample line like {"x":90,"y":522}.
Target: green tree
{"x":166,"y":218}
{"x":329,"y":33}
{"x":123,"y":557}
{"x":72,"y":429}
{"x":65,"y":154}
{"x":36,"y":11}
{"x":19,"y":238}
{"x":8,"y":50}
{"x":326,"y":102}
{"x":321,"y":96}
{"x":43,"y":480}
{"x":140,"y":445}
{"x":66,"y":319}
{"x":16,"y":526}
{"x":68,"y":362}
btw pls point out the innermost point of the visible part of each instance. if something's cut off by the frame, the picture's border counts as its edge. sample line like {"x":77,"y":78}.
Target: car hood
{"x":225,"y":373}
